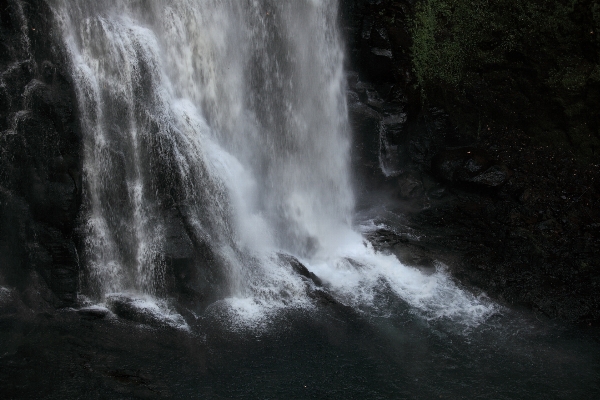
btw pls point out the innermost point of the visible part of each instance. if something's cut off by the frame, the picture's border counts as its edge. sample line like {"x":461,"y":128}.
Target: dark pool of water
{"x":335,"y":353}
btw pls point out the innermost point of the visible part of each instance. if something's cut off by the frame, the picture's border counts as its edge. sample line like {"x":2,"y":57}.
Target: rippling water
{"x":332,"y":353}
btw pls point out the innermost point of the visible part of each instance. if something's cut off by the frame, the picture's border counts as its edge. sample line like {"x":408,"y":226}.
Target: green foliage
{"x":453,"y":38}
{"x":444,"y":37}
{"x":532,"y":56}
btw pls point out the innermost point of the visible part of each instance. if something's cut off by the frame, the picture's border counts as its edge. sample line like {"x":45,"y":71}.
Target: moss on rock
{"x":530,"y":63}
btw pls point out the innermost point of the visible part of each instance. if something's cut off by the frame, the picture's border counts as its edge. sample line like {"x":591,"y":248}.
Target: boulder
{"x":93,"y":312}
{"x":143,"y":311}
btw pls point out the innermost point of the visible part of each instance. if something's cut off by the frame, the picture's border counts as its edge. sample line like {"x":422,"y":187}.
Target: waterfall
{"x":230,"y":117}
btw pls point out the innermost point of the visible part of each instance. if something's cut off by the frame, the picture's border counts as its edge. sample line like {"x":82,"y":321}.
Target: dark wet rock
{"x":37,"y":295}
{"x":469,"y":165}
{"x":48,"y":71}
{"x":407,"y":251}
{"x":459,"y":164}
{"x":7,"y":298}
{"x":185,"y":263}
{"x":300,"y":268}
{"x":373,"y":99}
{"x":38,"y":97}
{"x":192,"y":270}
{"x":394,"y":122}
{"x":179,"y":245}
{"x":393,"y":140}
{"x":138,"y":310}
{"x":40,"y":179}
{"x":133,"y":384}
{"x":366,"y":149}
{"x":494,"y":176}
{"x":410,"y":186}
{"x":93,"y":312}
{"x":376,"y":48}
{"x":382,"y":52}
{"x":427,"y":134}
{"x":384,"y":238}
{"x":16,"y":77}
{"x":323,"y":297}
{"x":381,"y":150}
{"x":437,"y":192}
{"x":352,"y":97}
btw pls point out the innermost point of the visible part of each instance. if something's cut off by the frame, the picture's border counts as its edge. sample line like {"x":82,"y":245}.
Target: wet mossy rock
{"x":530,"y":64}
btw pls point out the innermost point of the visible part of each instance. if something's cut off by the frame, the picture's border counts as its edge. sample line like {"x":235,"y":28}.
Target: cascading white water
{"x":242,"y":104}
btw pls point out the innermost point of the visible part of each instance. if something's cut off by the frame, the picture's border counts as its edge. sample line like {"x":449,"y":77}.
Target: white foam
{"x":273,"y":287}
{"x":355,"y":272}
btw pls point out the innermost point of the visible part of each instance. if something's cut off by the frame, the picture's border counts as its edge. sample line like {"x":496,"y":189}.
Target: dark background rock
{"x":508,"y":203}
{"x":469,"y":166}
{"x":40,"y":164}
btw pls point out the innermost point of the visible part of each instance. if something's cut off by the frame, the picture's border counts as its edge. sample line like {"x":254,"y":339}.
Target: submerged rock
{"x":143,"y":311}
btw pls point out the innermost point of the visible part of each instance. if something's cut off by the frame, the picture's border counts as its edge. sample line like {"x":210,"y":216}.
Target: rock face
{"x":395,"y":138}
{"x":41,"y":229}
{"x":506,"y":213}
{"x":469,"y":165}
{"x":380,"y":94}
{"x":40,"y":178}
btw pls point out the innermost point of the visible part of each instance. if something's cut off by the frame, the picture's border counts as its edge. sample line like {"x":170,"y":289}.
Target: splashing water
{"x":233,"y":113}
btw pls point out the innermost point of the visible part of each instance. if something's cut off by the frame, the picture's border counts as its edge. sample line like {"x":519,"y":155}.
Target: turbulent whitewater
{"x":229,"y":118}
